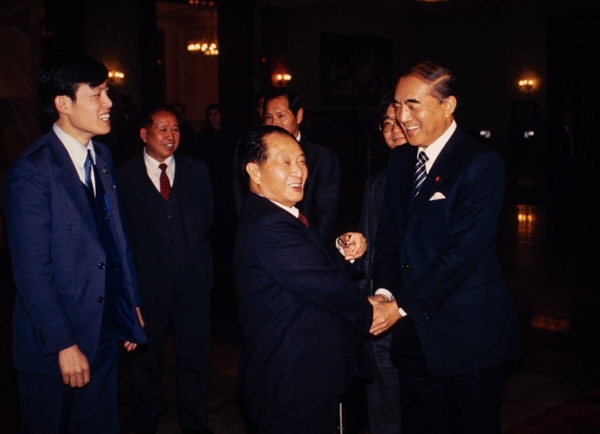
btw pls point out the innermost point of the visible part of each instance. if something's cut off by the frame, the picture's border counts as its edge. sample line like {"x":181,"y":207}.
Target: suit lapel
{"x":71,"y":183}
{"x":436,"y":177}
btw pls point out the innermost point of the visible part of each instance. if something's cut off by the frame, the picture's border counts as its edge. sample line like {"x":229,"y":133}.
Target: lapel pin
{"x":106,"y":170}
{"x":437,"y":179}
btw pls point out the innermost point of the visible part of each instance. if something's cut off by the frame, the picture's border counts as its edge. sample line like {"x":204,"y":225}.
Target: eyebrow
{"x":413,"y":100}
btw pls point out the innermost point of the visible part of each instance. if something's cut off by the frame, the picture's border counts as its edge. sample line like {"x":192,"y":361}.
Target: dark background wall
{"x":489,"y":45}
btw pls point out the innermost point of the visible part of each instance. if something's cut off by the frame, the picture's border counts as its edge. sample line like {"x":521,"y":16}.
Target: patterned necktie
{"x":87,"y":167}
{"x":302,"y":218}
{"x":420,"y":172}
{"x":165,"y":185}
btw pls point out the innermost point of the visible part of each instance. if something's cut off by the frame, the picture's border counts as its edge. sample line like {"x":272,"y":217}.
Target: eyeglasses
{"x":386,"y":125}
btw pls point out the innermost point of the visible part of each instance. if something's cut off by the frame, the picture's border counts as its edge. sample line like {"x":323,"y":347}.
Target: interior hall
{"x":522,"y":68}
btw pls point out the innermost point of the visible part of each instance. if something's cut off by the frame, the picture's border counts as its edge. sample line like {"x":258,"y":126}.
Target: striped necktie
{"x":87,"y":167}
{"x":420,"y":172}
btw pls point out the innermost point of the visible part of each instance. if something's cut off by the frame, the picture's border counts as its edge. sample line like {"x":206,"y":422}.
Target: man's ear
{"x":143,"y":134}
{"x":253,"y":171}
{"x":63,"y":104}
{"x":299,"y":115}
{"x":449,"y":105}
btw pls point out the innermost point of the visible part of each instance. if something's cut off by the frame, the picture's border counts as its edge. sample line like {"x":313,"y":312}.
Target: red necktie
{"x":302,"y":218}
{"x":165,"y":185}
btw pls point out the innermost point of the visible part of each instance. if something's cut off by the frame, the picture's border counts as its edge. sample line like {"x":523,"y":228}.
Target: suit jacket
{"x":322,"y":189}
{"x":369,"y":220}
{"x":297,"y":310}
{"x":150,"y":250}
{"x":438,"y":257}
{"x":57,"y":256}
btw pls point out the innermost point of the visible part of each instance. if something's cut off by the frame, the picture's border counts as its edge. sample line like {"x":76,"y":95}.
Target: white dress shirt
{"x":154,"y":171}
{"x":432,"y":151}
{"x":77,"y":152}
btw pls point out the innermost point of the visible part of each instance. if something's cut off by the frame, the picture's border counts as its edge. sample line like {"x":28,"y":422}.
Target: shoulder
{"x":468,"y":150}
{"x":46,"y":151}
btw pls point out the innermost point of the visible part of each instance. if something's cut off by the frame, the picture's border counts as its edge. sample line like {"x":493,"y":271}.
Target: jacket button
{"x":102,"y":265}
{"x":405,"y":266}
{"x":100,"y":300}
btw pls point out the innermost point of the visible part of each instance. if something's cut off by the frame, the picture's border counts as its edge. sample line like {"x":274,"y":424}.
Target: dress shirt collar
{"x":432,"y":151}
{"x":76,"y":150}
{"x":154,"y":171}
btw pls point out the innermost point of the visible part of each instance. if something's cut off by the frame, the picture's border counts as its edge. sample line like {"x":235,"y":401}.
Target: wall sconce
{"x":117,"y":75}
{"x":282,"y":79}
{"x":526,"y":84}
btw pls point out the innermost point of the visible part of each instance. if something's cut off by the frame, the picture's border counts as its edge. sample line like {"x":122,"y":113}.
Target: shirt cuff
{"x":390,"y":297}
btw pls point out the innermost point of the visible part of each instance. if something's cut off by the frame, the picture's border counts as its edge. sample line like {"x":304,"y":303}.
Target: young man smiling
{"x":77,"y":291}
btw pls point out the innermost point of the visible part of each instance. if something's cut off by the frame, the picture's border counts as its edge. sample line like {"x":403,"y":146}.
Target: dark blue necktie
{"x":420,"y":172}
{"x":87,"y":166}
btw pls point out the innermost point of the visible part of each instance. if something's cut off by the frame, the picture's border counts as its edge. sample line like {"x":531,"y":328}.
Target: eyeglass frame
{"x":393,"y":122}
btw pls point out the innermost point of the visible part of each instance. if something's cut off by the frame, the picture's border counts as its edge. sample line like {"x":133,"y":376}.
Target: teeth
{"x":105,"y":117}
{"x":412,"y":128}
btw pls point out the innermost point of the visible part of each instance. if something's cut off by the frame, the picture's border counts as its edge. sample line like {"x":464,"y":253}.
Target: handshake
{"x":385,"y":313}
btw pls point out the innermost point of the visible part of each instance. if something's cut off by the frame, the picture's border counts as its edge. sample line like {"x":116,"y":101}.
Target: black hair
{"x":63,"y":75}
{"x":146,"y":120}
{"x":294,"y":102}
{"x":252,"y":147}
{"x":212,"y":107}
{"x":384,"y":103}
{"x":442,"y":81}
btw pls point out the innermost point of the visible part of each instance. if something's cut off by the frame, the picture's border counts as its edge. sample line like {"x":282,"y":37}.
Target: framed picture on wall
{"x":355,"y":69}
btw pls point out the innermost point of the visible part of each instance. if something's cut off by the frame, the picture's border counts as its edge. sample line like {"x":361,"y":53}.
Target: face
{"x":162,"y":137}
{"x":86,"y":116}
{"x":422,"y":117}
{"x":281,"y":178}
{"x":278,"y":113}
{"x":214,"y":118}
{"x":394,"y":137}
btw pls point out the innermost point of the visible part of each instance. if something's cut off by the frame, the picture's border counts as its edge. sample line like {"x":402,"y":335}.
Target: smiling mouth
{"x":105,"y":117}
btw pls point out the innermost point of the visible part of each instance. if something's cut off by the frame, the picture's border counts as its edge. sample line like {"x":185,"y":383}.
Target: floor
{"x":548,"y":258}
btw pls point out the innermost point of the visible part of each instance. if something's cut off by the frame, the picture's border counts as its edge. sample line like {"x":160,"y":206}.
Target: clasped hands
{"x":353,"y":244}
{"x":385,"y":313}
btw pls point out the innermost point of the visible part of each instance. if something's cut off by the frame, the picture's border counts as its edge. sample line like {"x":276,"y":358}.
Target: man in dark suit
{"x":299,"y":310}
{"x":436,"y":253}
{"x":168,"y":203}
{"x":283,"y":108}
{"x":76,"y":285}
{"x":383,"y":391}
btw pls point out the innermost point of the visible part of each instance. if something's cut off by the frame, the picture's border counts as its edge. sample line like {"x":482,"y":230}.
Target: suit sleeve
{"x":26,"y":201}
{"x":470,"y":237}
{"x":294,"y":260}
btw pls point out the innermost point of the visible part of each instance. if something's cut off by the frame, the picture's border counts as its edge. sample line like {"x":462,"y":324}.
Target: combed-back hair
{"x":442,"y":81}
{"x":294,"y":102}
{"x":63,"y":75}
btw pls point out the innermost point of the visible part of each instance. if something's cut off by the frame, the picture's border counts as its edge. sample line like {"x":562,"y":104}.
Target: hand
{"x":128,"y":345}
{"x":385,"y":314}
{"x":74,"y":367}
{"x":354,"y":245}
